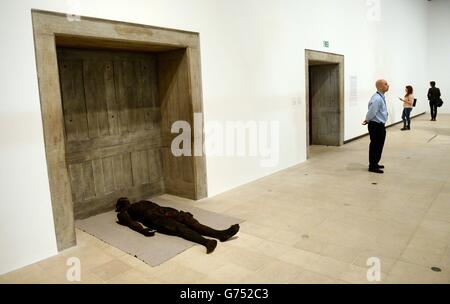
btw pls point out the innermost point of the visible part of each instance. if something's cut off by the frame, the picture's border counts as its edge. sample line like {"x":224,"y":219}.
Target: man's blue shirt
{"x":377,"y":109}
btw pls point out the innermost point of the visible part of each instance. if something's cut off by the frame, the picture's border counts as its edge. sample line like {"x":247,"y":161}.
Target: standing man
{"x":433,"y":96}
{"x":376,"y":119}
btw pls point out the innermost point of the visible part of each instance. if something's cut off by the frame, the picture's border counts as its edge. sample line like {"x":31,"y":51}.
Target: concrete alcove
{"x":324,"y":78}
{"x":109,"y":93}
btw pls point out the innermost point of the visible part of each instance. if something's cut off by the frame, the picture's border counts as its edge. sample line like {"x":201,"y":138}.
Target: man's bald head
{"x":382,"y":86}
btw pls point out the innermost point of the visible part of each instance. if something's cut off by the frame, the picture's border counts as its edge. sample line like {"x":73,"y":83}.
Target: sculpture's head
{"x":122,"y":204}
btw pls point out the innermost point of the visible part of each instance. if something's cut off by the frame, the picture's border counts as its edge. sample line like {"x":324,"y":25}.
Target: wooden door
{"x":175,"y":96}
{"x":112,"y":122}
{"x":324,"y":104}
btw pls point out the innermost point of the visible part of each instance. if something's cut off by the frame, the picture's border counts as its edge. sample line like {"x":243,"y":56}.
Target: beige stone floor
{"x":317,"y":222}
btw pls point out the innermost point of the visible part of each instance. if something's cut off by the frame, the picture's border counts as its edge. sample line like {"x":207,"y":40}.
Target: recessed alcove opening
{"x":110,"y":92}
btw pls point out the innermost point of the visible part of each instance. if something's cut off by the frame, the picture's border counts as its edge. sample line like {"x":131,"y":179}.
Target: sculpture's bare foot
{"x":210,"y":246}
{"x":230,"y":232}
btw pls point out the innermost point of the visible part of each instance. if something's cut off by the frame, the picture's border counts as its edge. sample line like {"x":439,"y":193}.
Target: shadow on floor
{"x":356,"y":167}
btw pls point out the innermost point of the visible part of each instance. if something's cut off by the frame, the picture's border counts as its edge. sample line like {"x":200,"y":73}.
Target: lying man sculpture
{"x":169,"y":221}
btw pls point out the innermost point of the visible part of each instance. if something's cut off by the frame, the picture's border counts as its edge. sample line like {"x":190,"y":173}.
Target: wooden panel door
{"x":175,"y":96}
{"x":324,"y":105}
{"x":112,"y":123}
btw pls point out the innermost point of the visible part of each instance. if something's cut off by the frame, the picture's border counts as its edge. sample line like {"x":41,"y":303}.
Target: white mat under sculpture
{"x":156,"y":249}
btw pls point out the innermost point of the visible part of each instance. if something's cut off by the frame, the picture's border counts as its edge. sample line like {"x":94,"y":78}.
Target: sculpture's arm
{"x":125,"y":219}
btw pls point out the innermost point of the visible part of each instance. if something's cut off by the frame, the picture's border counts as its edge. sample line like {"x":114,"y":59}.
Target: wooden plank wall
{"x":324,"y":104}
{"x":175,"y":96}
{"x":112,"y":119}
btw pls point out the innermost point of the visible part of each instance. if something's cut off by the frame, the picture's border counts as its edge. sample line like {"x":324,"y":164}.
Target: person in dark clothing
{"x":169,"y":221}
{"x":433,"y":96}
{"x":376,"y":118}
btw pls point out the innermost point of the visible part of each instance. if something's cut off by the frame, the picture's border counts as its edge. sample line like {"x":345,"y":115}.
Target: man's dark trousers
{"x":377,"y":132}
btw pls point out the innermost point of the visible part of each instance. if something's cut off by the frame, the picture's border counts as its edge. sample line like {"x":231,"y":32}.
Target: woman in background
{"x":408,"y":102}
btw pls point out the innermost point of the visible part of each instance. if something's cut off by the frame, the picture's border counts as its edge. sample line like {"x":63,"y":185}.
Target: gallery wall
{"x":439,"y":49}
{"x":253,"y":69}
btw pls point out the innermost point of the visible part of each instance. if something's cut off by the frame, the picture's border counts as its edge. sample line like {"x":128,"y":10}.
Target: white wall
{"x":439,"y":49}
{"x":252,"y":60}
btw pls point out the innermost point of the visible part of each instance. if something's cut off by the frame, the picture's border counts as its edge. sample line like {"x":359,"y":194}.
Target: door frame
{"x":52,"y":29}
{"x":325,"y":58}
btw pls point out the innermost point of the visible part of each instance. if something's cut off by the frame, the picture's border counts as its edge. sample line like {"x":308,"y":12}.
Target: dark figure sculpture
{"x":169,"y":221}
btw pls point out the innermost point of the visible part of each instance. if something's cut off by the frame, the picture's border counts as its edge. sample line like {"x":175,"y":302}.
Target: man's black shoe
{"x":380,"y":166}
{"x":376,"y":170}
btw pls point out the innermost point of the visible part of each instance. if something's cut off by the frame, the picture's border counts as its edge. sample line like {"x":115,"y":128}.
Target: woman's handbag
{"x":439,"y":103}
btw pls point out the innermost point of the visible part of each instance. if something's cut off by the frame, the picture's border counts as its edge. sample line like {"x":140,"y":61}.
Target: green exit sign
{"x":326,"y":44}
